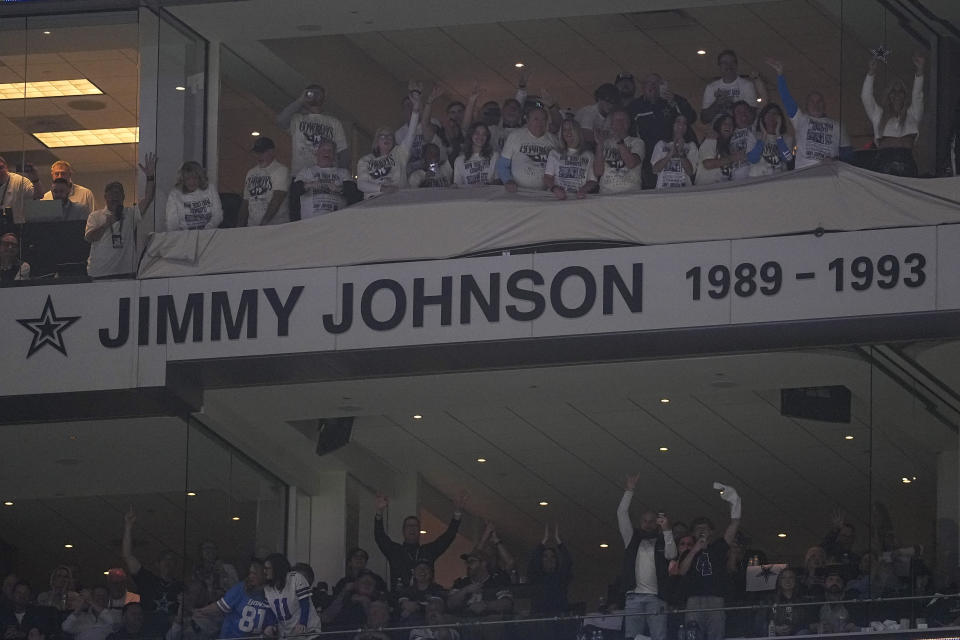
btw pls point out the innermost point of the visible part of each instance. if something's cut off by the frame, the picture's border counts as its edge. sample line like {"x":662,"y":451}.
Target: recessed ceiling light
{"x":68,"y":546}
{"x":664,"y":449}
{"x":759,"y":99}
{"x":604,"y":545}
{"x":519,"y":65}
{"x":48,"y":89}
{"x":46,"y":33}
{"x":235,"y":518}
{"x":191,"y":493}
{"x":254,"y":133}
{"x":848,"y":437}
{"x":423,"y":531}
{"x":8,"y":503}
{"x":180,"y":88}
{"x":664,"y":400}
{"x":701,"y":52}
{"x":89,"y":137}
{"x":481,"y":459}
{"x":781,"y":535}
{"x":417,"y":416}
{"x":106,"y":573}
{"x":544,"y":503}
{"x":905,"y":480}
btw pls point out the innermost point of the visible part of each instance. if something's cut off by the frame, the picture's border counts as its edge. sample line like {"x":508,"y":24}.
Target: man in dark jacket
{"x":403,"y":557}
{"x":652,"y":117}
{"x":648,"y":550}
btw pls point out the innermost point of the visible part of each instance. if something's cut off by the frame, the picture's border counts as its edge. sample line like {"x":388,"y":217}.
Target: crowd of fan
{"x":675,"y":582}
{"x":628,"y":140}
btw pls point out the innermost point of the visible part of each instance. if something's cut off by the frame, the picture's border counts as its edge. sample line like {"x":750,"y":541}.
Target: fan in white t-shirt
{"x":525,"y":152}
{"x":593,"y":118}
{"x":721,"y":94}
{"x":264,"y":188}
{"x":570,"y":166}
{"x":773,"y":150}
{"x":321,"y":187}
{"x":309,"y":126}
{"x":477,"y":165}
{"x":194,"y":202}
{"x":675,"y":161}
{"x":112,"y":231}
{"x":720,"y":160}
{"x":818,"y":137}
{"x":620,"y":157}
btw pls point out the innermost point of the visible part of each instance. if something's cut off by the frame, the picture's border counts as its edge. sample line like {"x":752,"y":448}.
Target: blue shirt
{"x":245,"y":613}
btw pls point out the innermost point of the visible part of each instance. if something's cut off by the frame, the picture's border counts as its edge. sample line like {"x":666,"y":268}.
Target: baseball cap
{"x":262,"y":144}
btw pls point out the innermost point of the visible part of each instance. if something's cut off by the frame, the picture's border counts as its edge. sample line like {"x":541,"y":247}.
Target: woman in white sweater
{"x":194,"y":203}
{"x":896,"y":121}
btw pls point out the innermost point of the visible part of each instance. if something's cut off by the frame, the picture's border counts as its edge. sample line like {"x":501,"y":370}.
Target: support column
{"x":328,"y":517}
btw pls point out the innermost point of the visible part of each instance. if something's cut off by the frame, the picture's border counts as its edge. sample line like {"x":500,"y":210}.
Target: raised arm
{"x":507,"y":561}
{"x":415,"y":91}
{"x":149,"y":168}
{"x":789,"y":104}
{"x":443,"y":542}
{"x":126,"y":546}
{"x":729,"y":494}
{"x":471,"y":107}
{"x":384,"y":543}
{"x":874,"y":112}
{"x":669,"y":545}
{"x":623,"y":509}
{"x":916,"y":100}
{"x":284,"y":117}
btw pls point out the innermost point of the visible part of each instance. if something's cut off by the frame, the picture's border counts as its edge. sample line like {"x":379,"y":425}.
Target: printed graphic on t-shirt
{"x":771,"y":154}
{"x":536,"y":152}
{"x":613,"y":158}
{"x":380,"y":168}
{"x":258,"y":185}
{"x":819,"y":139}
{"x":704,"y":566}
{"x":673,"y":174}
{"x":476,"y":171}
{"x":316,"y":132}
{"x":198,"y":213}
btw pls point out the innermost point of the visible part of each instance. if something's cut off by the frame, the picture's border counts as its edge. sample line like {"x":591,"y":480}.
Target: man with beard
{"x":834,"y":617}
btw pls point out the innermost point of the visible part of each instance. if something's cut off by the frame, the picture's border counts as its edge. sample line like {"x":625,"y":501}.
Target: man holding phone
{"x":705,"y":568}
{"x":308,"y":126}
{"x":649,"y":548}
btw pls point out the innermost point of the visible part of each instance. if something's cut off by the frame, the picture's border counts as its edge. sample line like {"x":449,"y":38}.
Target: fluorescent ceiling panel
{"x":89,"y":137}
{"x":48,"y":89}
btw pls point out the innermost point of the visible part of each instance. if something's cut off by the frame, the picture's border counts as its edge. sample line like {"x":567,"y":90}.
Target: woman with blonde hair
{"x":896,"y":121}
{"x":569,"y":167}
{"x":194,"y":203}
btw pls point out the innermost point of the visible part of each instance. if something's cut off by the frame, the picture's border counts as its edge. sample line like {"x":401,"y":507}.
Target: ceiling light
{"x":905,"y":480}
{"x":8,"y":503}
{"x":89,"y":137}
{"x":701,"y":52}
{"x":664,"y":449}
{"x":664,"y":400}
{"x":417,"y":416}
{"x":423,"y":531}
{"x":48,"y":89}
{"x":191,"y":493}
{"x":781,"y":535}
{"x":106,"y":573}
{"x":544,"y":503}
{"x":254,"y":133}
{"x":235,"y":518}
{"x":519,"y":65}
{"x":759,"y":99}
{"x":604,"y":545}
{"x":481,"y":459}
{"x":848,"y":437}
{"x":46,"y":33}
{"x":180,"y":88}
{"x":68,"y":546}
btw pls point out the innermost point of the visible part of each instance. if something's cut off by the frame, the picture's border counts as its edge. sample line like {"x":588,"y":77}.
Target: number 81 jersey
{"x":245,"y":612}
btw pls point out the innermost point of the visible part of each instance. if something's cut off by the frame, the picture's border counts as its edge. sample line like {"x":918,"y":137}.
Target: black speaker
{"x":827,"y":404}
{"x":333,"y":433}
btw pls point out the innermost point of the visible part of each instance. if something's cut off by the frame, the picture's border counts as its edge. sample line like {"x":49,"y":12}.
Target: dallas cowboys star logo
{"x":881,"y":53}
{"x":47,"y":329}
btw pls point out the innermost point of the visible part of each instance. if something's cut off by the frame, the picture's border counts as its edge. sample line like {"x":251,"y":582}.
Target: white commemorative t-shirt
{"x":742,"y":140}
{"x":499,"y":135}
{"x":528,"y":156}
{"x":307,"y":131}
{"x":258,"y":188}
{"x":416,"y":148}
{"x":374,"y":171}
{"x":475,"y":172}
{"x":818,"y":139}
{"x":115,"y":253}
{"x":322,"y":190}
{"x":199,"y":209}
{"x":673,"y":174}
{"x":616,"y":177}
{"x":740,"y":89}
{"x":570,"y":170}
